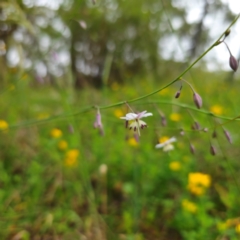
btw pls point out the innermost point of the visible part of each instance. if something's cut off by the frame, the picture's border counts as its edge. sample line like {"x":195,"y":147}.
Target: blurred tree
{"x":106,"y":41}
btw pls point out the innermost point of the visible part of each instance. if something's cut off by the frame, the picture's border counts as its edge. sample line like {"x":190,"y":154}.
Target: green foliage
{"x":59,"y":177}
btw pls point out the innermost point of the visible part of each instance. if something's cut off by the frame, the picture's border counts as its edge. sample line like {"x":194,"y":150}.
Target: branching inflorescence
{"x":134,"y":122}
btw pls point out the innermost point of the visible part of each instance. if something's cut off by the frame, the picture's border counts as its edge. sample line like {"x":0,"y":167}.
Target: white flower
{"x":135,"y":122}
{"x":166,"y":145}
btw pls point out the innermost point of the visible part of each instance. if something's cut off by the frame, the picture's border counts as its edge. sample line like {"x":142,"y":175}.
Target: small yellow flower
{"x":62,"y":145}
{"x":222,"y":226}
{"x":189,"y":206}
{"x":118,"y":113}
{"x":71,"y":157}
{"x":3,"y":125}
{"x":237,"y":228}
{"x":175,"y":166}
{"x":199,"y":178}
{"x":70,"y":162}
{"x":133,"y":142}
{"x":198,"y":182}
{"x":175,"y":117}
{"x":56,"y":133}
{"x":216,"y":109}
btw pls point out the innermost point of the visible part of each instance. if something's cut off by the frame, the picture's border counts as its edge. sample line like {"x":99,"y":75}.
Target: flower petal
{"x":168,"y":147}
{"x":147,"y":115}
{"x":130,"y":116}
{"x":168,"y":142}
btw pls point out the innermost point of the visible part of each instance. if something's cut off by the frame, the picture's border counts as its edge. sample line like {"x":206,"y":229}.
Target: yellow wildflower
{"x":198,"y":182}
{"x":56,"y":133}
{"x":222,"y":226}
{"x":73,"y":153}
{"x":62,"y":145}
{"x":176,"y":117}
{"x":3,"y":125}
{"x":189,"y":206}
{"x":133,"y":142}
{"x":71,"y":157}
{"x":175,"y":165}
{"x":216,"y":109}
{"x":237,"y":228}
{"x":118,"y":113}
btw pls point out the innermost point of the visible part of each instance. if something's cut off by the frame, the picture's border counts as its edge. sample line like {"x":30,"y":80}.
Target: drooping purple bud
{"x":213,"y":150}
{"x":177,"y":94}
{"x":98,"y":123}
{"x":233,"y":63}
{"x":192,"y":149}
{"x":197,"y":100}
{"x":227,"y":135}
{"x":71,"y":128}
{"x":214,"y":134}
{"x":197,"y":125}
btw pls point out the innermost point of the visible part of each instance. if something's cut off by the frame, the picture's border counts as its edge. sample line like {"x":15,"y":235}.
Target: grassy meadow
{"x":63,"y":179}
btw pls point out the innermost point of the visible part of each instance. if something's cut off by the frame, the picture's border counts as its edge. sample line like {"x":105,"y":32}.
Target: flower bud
{"x":213,"y":150}
{"x":192,"y":149}
{"x":177,"y":94}
{"x":182,"y":132}
{"x":163,"y":120}
{"x":214,"y":134}
{"x":98,"y":123}
{"x":197,"y":100}
{"x":197,"y":125}
{"x":228,"y":136}
{"x":103,"y":169}
{"x":227,"y":32}
{"x":233,"y":63}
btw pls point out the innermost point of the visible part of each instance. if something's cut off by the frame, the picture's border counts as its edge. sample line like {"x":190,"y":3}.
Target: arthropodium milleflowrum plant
{"x":232,"y":60}
{"x":133,"y":120}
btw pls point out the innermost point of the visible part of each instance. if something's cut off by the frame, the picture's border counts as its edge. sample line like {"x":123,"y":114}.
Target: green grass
{"x":42,"y":195}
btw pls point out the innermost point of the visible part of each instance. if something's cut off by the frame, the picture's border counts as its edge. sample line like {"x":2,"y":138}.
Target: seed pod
{"x":213,"y":150}
{"x":228,"y":136}
{"x":233,"y":63}
{"x":197,"y":100}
